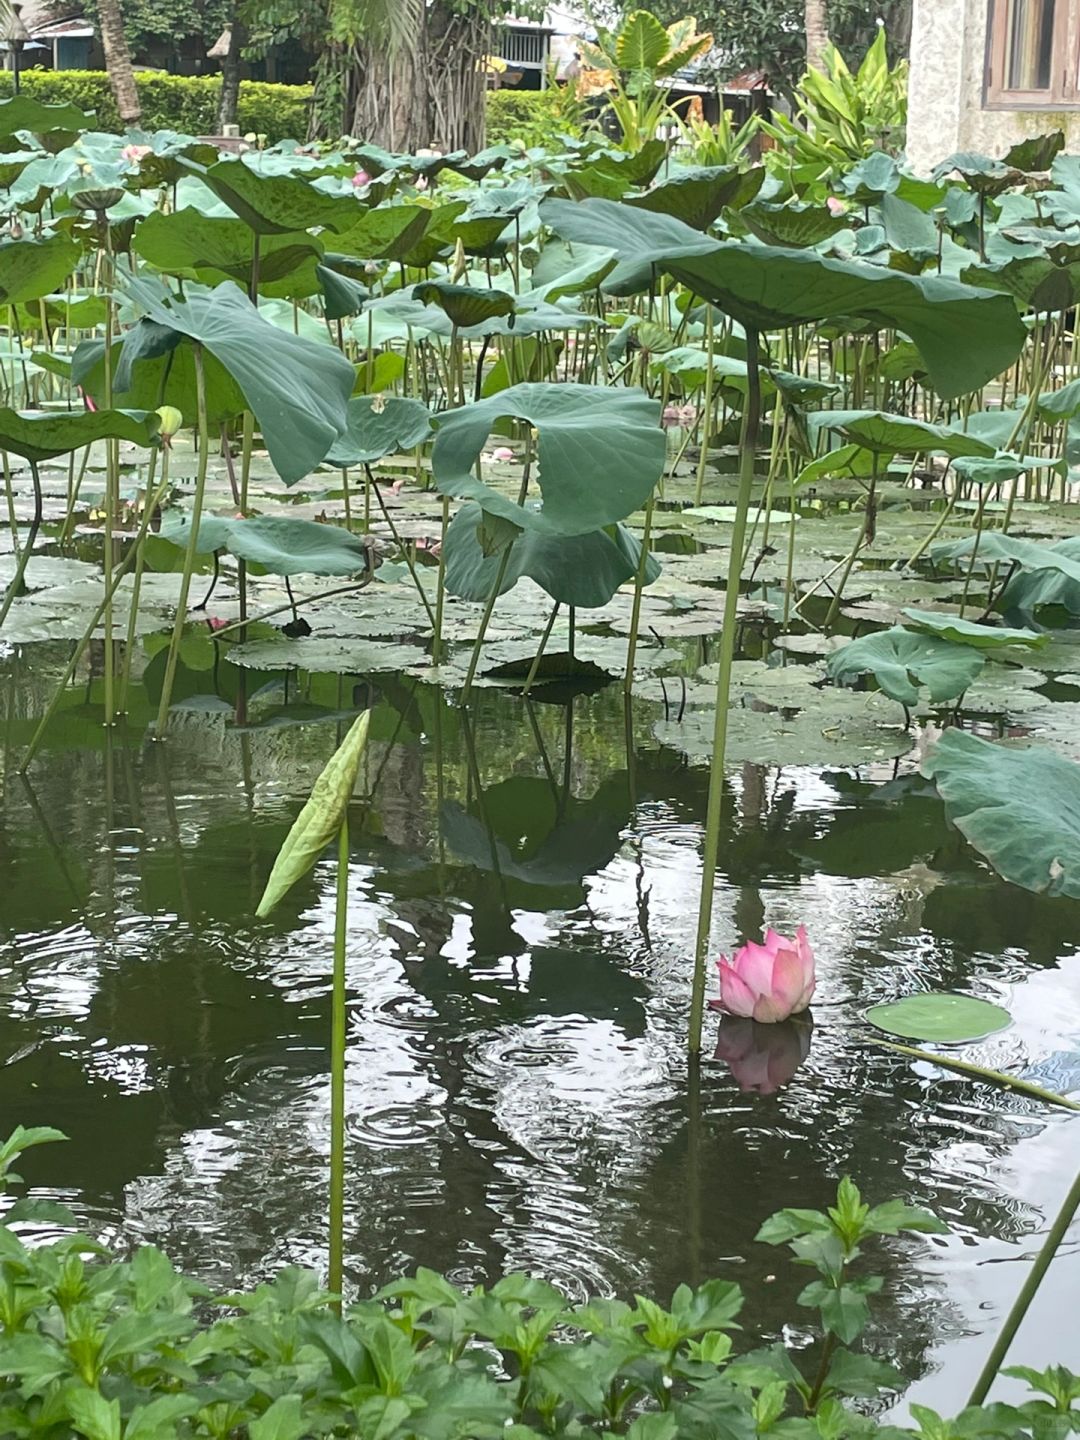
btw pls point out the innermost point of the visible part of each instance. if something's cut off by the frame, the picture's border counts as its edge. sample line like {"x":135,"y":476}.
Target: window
{"x":1032,"y":54}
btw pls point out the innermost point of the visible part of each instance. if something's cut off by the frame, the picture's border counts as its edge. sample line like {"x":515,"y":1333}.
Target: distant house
{"x":987,"y":73}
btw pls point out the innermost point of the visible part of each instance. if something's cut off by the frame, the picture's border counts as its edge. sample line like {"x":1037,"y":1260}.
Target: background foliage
{"x":187,"y":103}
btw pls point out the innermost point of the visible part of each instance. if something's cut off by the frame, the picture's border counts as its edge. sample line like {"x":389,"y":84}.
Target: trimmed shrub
{"x":535,"y":117}
{"x":187,"y":103}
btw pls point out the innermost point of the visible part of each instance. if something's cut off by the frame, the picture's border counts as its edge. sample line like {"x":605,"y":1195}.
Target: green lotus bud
{"x":171,"y":421}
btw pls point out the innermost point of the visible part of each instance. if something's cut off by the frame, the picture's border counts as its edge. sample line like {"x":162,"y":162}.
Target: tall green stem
{"x":337,"y":1072}
{"x":751,"y":417}
{"x":191,"y":552}
{"x":1022,"y":1303}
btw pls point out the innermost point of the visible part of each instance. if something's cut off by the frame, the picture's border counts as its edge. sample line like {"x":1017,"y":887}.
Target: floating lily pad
{"x":942,"y":1019}
{"x":339,"y":657}
{"x":764,"y":737}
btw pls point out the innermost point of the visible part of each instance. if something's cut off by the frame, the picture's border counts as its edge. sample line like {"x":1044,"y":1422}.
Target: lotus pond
{"x":705,"y":557}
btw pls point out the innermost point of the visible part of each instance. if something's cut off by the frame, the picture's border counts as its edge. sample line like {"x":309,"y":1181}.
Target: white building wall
{"x":946,"y":110}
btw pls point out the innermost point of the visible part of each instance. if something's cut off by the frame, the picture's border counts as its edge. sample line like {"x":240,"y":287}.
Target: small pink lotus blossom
{"x":216,"y":622}
{"x":502,"y":453}
{"x":360,"y":179}
{"x":767,"y":982}
{"x":88,"y":399}
{"x":835,"y":205}
{"x":134,"y":153}
{"x":679,"y":417}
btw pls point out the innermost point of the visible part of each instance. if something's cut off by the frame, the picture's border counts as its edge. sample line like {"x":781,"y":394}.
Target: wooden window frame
{"x":1063,"y":93}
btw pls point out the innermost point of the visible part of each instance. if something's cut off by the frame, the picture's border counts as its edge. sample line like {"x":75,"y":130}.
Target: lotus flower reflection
{"x":767,"y":982}
{"x":763,"y":1058}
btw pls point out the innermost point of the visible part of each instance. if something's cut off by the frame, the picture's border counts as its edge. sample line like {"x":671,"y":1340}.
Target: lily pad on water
{"x":336,"y":657}
{"x":1020,"y":808}
{"x":858,"y":736}
{"x":943,"y":1019}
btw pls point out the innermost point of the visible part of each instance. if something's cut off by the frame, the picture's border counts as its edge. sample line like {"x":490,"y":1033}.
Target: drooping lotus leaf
{"x":1020,"y":808}
{"x":983,"y":174}
{"x":274,"y":204}
{"x":30,"y":269}
{"x":1037,"y":152}
{"x":465,"y":305}
{"x":1029,"y":589}
{"x":942,"y":1019}
{"x":281,"y":544}
{"x":902,"y":661}
{"x":1038,"y":282}
{"x":968,"y":632}
{"x":475,"y":167}
{"x":601,"y":452}
{"x":189,"y":244}
{"x":158,"y":376}
{"x":993,"y":548}
{"x":850,"y":461}
{"x":378,"y":428}
{"x":966,"y":336}
{"x":342,"y":294}
{"x":898,"y":434}
{"x":23,"y":112}
{"x":388,"y":233}
{"x":44,"y":434}
{"x":580,"y":570}
{"x":795,"y":225}
{"x":876,"y":175}
{"x":907,"y":227}
{"x":570,"y":269}
{"x":697,"y":196}
{"x":297,"y":389}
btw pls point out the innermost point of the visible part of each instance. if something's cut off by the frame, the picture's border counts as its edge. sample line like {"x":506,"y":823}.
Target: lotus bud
{"x":767,"y":982}
{"x":502,"y":454}
{"x":420,"y":183}
{"x":171,"y":421}
{"x":360,"y":179}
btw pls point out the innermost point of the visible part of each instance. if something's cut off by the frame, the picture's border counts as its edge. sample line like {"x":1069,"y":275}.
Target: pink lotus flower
{"x":360,"y":179}
{"x":134,"y":153}
{"x":502,"y":454}
{"x":835,"y":205}
{"x":767,"y":982}
{"x":763,"y":1058}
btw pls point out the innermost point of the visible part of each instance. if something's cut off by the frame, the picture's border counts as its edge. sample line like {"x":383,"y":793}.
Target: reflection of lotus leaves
{"x":763,"y":1058}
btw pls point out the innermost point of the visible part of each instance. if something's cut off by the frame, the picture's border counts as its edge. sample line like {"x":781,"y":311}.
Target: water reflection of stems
{"x":748,"y":449}
{"x":1022,"y":1303}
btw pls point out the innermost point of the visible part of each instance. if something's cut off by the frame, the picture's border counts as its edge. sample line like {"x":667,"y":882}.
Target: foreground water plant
{"x":110,"y":1349}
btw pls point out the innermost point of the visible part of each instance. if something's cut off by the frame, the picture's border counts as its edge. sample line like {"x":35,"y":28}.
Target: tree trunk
{"x":429,"y":92}
{"x":118,"y":61}
{"x":229,"y":103}
{"x":817,"y":34}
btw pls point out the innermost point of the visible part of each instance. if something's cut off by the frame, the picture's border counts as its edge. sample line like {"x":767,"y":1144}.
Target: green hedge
{"x":536,"y":117}
{"x":187,"y":103}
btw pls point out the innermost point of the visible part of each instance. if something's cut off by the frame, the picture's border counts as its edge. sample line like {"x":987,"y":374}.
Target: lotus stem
{"x":190,"y":554}
{"x":635,"y":611}
{"x":337,"y":1073}
{"x":981,"y":1072}
{"x":1028,"y":1291}
{"x":136,"y":585}
{"x":15,"y":588}
{"x":723,"y":687}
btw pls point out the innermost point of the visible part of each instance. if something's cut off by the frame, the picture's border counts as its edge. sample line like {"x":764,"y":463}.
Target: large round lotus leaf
{"x":902,"y":661}
{"x":288,"y":546}
{"x":898,"y":434}
{"x":464,"y":304}
{"x":1020,"y":808}
{"x":30,"y":269}
{"x":943,"y":1019}
{"x":600,"y":451}
{"x":379,"y":427}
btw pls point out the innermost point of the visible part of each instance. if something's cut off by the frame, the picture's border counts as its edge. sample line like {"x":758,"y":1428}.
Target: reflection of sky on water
{"x":517,"y":1085}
